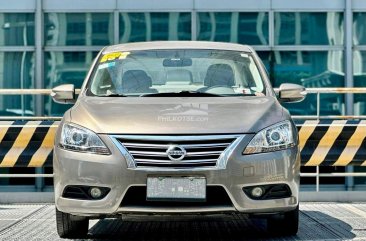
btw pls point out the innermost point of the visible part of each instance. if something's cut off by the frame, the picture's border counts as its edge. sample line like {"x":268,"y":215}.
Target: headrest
{"x":135,"y":81}
{"x":219,"y":74}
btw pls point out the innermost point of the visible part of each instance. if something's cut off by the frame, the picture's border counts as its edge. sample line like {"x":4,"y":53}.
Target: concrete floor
{"x":318,"y":221}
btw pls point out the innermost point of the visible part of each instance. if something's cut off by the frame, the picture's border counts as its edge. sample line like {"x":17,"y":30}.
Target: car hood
{"x":176,"y":115}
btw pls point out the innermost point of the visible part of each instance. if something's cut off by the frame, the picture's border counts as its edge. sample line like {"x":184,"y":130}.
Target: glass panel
{"x":309,"y":28}
{"x":16,"y":71}
{"x":136,"y":27}
{"x":313,"y":70}
{"x":265,"y":56}
{"x":78,"y":29}
{"x":64,"y":68}
{"x":246,"y":28}
{"x":359,"y":25}
{"x":359,"y":78}
{"x":16,"y":29}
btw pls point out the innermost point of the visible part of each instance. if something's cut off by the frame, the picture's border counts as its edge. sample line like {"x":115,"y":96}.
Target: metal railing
{"x":317,"y":91}
{"x":29,"y":92}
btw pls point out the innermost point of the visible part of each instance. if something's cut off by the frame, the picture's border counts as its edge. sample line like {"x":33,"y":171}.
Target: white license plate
{"x":176,"y":189}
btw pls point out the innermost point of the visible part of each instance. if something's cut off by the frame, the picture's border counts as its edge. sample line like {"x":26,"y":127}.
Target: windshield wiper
{"x":112,"y":95}
{"x":184,"y":93}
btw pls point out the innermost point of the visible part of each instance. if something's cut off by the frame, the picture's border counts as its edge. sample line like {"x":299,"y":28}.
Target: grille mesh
{"x":199,"y":152}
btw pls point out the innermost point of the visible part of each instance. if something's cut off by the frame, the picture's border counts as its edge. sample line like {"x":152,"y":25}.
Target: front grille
{"x":200,"y":151}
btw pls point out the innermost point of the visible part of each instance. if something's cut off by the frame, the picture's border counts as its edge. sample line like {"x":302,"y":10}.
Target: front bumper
{"x":74,"y":168}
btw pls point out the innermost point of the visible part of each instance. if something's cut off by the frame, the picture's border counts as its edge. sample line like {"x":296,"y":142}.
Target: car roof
{"x":176,"y":45}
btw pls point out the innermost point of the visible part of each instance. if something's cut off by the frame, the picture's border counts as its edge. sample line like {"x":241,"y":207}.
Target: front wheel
{"x":285,"y":224}
{"x":71,"y":226}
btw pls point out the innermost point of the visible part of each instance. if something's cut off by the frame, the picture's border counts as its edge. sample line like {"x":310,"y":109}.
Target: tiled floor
{"x":318,"y":221}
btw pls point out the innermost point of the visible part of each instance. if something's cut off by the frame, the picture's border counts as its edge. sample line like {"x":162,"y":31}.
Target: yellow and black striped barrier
{"x":332,"y":142}
{"x":26,"y":143}
{"x":322,"y":142}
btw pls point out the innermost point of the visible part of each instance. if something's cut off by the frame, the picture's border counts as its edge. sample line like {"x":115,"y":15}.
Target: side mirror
{"x":291,"y":93}
{"x":64,"y":94}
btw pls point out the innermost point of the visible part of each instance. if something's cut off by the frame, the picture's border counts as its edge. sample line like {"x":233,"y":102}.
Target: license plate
{"x":176,"y":189}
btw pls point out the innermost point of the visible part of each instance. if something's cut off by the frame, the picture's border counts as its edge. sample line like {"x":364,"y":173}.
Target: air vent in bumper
{"x":136,"y":197}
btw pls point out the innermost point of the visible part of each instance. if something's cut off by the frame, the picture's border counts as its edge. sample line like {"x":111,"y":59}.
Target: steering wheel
{"x":219,"y":89}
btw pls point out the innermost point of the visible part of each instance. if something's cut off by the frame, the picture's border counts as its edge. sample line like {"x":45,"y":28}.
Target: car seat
{"x":219,"y":75}
{"x":137,"y":81}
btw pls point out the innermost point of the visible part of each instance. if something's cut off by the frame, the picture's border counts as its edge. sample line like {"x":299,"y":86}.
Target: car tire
{"x":285,"y":224}
{"x":71,"y":226}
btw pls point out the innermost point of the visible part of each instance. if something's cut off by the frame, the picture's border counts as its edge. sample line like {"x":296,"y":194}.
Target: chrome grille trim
{"x":185,"y":146}
{"x":203,"y":151}
{"x":152,"y":153}
{"x":167,"y":162}
{"x":176,"y":138}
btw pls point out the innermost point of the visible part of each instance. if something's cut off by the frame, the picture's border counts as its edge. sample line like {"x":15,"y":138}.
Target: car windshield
{"x":176,"y":71}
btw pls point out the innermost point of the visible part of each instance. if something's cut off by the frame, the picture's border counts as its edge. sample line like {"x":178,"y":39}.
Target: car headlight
{"x":276,"y":137}
{"x":77,"y":138}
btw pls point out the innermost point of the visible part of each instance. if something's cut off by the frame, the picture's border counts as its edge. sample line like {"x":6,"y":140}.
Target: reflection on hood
{"x":177,"y":115}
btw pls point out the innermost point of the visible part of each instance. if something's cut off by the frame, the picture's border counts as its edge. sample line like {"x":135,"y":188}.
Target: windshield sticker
{"x":106,"y":65}
{"x":113,"y":56}
{"x":244,"y":55}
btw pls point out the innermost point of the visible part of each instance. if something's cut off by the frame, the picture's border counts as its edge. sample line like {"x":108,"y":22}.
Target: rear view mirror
{"x":291,"y":93}
{"x":177,"y":62}
{"x":64,"y":94}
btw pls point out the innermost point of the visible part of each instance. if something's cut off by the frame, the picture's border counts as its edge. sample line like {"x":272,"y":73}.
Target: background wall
{"x":317,"y":43}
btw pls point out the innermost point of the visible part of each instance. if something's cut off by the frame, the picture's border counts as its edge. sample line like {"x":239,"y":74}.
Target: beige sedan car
{"x":176,"y":127}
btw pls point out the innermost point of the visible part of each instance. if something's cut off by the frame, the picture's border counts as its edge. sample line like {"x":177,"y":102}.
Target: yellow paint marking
{"x":353,"y":144}
{"x":40,"y":156}
{"x":326,"y":143}
{"x":4,"y":128}
{"x":20,"y":144}
{"x":305,"y":132}
{"x":124,"y":55}
{"x":113,"y":56}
